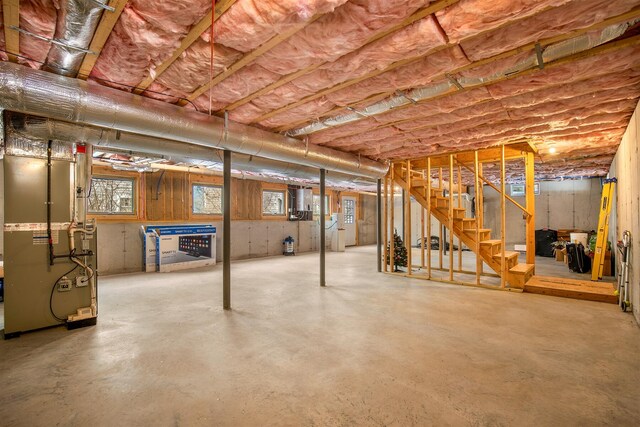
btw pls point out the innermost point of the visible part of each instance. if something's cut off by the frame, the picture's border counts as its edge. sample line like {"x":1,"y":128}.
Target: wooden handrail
{"x":497,"y":189}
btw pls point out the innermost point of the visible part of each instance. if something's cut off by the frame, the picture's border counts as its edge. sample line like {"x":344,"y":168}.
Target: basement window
{"x":112,"y":196}
{"x":207,"y":199}
{"x":273,"y":202}
{"x":316,"y":205}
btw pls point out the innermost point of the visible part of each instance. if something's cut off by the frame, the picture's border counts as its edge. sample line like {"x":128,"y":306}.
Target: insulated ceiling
{"x":387,"y":79}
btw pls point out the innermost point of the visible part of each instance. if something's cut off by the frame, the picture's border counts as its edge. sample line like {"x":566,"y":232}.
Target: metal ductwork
{"x":77,"y":22}
{"x":44,"y":94}
{"x":40,"y":128}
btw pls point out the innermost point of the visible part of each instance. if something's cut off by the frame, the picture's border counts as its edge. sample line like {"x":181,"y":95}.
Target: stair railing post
{"x":451,"y":217}
{"x":503,"y":225}
{"x":385,"y":230}
{"x":459,"y":206}
{"x":440,"y":242}
{"x":531,"y":209}
{"x":392,"y":253}
{"x":476,"y":183}
{"x":424,"y":189}
{"x":429,"y":215}
{"x":407,"y":218}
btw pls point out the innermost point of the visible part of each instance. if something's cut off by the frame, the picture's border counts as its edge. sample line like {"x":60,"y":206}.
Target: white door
{"x":349,"y":211}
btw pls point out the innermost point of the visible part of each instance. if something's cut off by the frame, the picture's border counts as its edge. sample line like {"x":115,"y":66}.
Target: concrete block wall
{"x":625,"y":168}
{"x":120,"y":244}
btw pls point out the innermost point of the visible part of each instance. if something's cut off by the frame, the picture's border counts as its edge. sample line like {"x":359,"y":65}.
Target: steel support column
{"x":226,"y":232}
{"x":323,"y":229}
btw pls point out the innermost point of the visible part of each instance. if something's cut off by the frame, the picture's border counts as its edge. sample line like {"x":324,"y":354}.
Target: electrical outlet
{"x":64,"y":285}
{"x":82,"y":281}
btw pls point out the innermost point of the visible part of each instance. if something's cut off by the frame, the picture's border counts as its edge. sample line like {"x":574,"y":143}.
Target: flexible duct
{"x":77,"y":22}
{"x":43,"y":94}
{"x":40,"y":128}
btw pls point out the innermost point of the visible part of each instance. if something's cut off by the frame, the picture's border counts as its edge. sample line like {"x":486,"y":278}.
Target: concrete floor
{"x":370,"y":349}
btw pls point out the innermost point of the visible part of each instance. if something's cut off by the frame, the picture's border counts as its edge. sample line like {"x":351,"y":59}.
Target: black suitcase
{"x":544,"y":239}
{"x":577,"y":260}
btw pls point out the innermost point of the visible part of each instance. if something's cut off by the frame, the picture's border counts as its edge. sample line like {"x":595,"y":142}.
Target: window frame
{"x":327,"y":207}
{"x":284,"y":202}
{"x":193,"y":203}
{"x":134,"y":197}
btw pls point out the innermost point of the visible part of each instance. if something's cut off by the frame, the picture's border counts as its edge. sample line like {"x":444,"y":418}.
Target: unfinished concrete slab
{"x":370,"y":349}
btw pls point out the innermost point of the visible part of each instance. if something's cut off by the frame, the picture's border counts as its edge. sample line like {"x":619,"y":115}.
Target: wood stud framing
{"x":11,"y":16}
{"x":105,"y":26}
{"x":451,"y":215}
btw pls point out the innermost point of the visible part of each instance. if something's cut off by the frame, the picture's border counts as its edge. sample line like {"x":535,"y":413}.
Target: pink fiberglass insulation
{"x":145,"y":35}
{"x":192,"y":69}
{"x":574,"y":15}
{"x":341,"y":131}
{"x":337,"y":34}
{"x":416,"y":74}
{"x":37,"y":17}
{"x":239,"y":85}
{"x":250,"y":23}
{"x":414,"y":40}
{"x":590,"y":67}
{"x":312,"y":109}
{"x":469,"y":17}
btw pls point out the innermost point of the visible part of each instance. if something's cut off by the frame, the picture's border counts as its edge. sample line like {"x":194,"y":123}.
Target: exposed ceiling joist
{"x":529,"y":46}
{"x":416,"y":16}
{"x":107,"y":22}
{"x":525,"y":48}
{"x":249,"y":58}
{"x":11,"y":14}
{"x":193,"y":35}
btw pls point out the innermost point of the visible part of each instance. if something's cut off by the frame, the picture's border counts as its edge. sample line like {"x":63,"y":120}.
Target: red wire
{"x":213,"y":19}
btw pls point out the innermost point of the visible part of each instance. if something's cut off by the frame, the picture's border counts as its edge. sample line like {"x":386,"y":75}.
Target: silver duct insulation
{"x":551,"y":53}
{"x":43,"y":94}
{"x":77,"y":22}
{"x":43,"y":129}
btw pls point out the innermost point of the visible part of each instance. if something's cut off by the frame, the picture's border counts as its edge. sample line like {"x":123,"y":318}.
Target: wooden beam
{"x":407,"y":218}
{"x":428,"y":195}
{"x":392,"y":253}
{"x":530,"y":204}
{"x":422,"y":211}
{"x":100,"y":37}
{"x":440,"y":242}
{"x":527,"y":47}
{"x":386,"y":222}
{"x":512,"y":151}
{"x":503,"y":220}
{"x":451,"y":217}
{"x":459,"y":205}
{"x":196,"y":31}
{"x":250,"y":57}
{"x":416,"y":16}
{"x":11,"y":15}
{"x":477,"y":190}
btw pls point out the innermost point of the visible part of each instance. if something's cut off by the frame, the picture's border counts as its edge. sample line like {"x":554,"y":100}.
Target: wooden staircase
{"x":466,"y":229}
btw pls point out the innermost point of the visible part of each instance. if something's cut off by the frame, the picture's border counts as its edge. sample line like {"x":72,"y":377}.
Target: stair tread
{"x":522,"y":268}
{"x":468,"y":219}
{"x":507,"y":254}
{"x":482,"y":230}
{"x":491,"y":242}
